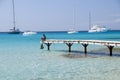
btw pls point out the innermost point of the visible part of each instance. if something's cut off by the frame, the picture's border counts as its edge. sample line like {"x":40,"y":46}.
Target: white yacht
{"x":97,"y":28}
{"x":26,"y":33}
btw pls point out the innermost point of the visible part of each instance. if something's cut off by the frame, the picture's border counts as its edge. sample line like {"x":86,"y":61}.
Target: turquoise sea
{"x":22,"y":59}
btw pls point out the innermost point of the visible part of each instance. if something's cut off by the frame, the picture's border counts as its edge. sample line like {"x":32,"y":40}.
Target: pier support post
{"x":48,"y":45}
{"x":69,"y":46}
{"x":85,"y":48}
{"x":110,"y":49}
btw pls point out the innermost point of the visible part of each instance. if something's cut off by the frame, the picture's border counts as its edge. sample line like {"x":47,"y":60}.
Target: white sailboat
{"x":71,"y":31}
{"x":96,"y":28}
{"x":14,"y":30}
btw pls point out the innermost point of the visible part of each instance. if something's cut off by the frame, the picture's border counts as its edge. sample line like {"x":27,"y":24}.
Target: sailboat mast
{"x":89,"y":20}
{"x":13,"y":14}
{"x":74,"y":15}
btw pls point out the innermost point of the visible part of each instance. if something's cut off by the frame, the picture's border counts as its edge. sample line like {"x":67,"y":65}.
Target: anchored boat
{"x":97,"y":28}
{"x":14,"y":30}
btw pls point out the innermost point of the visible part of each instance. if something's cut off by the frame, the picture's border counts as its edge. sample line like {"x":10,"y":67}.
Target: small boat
{"x":97,"y":28}
{"x":71,"y":31}
{"x":26,"y":33}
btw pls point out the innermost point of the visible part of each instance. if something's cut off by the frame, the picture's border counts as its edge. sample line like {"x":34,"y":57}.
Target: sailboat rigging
{"x":14,"y":30}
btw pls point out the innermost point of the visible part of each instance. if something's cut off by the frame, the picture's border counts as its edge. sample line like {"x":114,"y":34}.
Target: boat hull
{"x":13,"y":32}
{"x":29,"y":33}
{"x":72,"y":32}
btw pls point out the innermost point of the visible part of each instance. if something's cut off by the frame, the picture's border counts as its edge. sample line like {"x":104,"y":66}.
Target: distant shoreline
{"x":54,"y":31}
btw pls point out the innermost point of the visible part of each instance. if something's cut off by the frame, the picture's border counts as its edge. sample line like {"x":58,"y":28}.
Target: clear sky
{"x":59,"y":15}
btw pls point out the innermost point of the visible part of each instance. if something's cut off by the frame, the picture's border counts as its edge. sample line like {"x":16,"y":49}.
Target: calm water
{"x":22,"y":59}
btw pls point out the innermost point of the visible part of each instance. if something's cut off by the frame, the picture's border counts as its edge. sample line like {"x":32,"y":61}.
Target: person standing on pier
{"x":43,"y":39}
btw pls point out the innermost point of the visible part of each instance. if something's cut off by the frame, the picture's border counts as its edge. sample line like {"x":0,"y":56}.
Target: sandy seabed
{"x":59,"y":66}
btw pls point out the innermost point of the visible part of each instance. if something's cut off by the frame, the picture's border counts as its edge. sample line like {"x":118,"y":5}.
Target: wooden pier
{"x":85,"y":43}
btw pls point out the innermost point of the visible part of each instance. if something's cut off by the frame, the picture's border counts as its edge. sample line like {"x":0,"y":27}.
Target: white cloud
{"x":117,"y":20}
{"x":115,"y":15}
